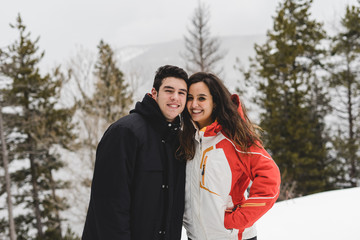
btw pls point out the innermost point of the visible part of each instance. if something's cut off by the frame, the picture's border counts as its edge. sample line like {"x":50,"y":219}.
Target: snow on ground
{"x":329,"y":215}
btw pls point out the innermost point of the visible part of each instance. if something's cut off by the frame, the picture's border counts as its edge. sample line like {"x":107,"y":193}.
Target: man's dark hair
{"x":168,"y":71}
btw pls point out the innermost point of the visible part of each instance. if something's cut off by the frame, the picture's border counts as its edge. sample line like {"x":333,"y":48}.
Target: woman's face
{"x":200,"y":104}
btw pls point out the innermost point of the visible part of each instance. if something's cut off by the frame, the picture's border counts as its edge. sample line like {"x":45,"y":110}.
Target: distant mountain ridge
{"x":139,"y":63}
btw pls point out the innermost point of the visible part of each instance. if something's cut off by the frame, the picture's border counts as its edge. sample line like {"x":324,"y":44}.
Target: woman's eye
{"x":202,"y":99}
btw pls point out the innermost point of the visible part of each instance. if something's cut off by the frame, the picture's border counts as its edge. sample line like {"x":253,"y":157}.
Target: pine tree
{"x":112,"y":97}
{"x":202,"y":50}
{"x":345,"y":79}
{"x":97,"y":109}
{"x":40,"y":124}
{"x":293,"y":99}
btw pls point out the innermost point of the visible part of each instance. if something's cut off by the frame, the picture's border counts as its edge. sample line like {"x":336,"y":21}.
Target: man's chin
{"x":171,"y":118}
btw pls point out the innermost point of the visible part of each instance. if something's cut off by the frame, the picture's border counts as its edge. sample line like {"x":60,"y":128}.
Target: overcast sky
{"x":63,"y":25}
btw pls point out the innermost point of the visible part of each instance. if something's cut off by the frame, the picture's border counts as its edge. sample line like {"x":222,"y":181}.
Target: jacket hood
{"x":150,"y":110}
{"x":235,"y":99}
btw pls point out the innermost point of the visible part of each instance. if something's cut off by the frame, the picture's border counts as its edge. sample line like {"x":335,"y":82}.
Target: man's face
{"x":171,"y":97}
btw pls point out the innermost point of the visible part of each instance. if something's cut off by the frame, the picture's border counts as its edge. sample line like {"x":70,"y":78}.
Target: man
{"x":137,"y":190}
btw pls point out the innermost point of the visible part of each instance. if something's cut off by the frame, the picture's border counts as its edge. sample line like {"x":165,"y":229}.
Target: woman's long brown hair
{"x":240,"y":130}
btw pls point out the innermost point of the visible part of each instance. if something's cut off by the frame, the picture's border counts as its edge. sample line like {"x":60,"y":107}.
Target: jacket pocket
{"x":216,"y":173}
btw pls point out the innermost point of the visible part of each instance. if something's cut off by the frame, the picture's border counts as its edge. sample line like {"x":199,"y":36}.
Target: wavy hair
{"x":238,"y":128}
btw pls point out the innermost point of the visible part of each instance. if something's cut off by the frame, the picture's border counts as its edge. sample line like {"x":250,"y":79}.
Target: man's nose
{"x":175,"y":96}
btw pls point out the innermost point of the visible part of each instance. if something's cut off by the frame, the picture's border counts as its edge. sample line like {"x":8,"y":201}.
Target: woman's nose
{"x":194,"y":103}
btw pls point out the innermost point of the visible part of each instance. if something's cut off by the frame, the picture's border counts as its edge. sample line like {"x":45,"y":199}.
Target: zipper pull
{"x":233,"y":209}
{"x":203,"y":170}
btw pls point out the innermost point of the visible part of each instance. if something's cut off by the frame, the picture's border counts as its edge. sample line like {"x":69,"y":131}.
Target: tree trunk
{"x":7,"y":179}
{"x":36,"y":197}
{"x":56,"y":203}
{"x":351,"y":146}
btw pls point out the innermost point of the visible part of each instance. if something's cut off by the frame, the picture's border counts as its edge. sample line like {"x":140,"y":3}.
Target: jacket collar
{"x":210,"y":130}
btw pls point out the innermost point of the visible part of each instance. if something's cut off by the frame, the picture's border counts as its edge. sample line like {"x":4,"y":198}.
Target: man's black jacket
{"x":137,"y":190}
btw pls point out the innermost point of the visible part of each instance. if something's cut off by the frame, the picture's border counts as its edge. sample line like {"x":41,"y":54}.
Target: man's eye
{"x":182,"y":93}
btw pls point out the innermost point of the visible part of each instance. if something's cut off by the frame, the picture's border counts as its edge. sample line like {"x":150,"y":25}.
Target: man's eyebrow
{"x":170,"y":87}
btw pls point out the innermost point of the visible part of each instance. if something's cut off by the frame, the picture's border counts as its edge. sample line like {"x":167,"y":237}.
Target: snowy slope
{"x":329,"y":215}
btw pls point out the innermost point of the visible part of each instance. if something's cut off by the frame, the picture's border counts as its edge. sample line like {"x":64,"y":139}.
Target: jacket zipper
{"x":203,"y":171}
{"x":202,"y":167}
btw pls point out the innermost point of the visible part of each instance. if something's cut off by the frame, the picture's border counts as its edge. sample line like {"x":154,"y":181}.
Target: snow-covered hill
{"x":329,"y":215}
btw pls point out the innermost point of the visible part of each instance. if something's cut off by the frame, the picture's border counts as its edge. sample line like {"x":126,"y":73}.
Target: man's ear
{"x":154,"y":93}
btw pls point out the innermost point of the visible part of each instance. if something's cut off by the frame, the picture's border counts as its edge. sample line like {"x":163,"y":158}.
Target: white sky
{"x":63,"y":25}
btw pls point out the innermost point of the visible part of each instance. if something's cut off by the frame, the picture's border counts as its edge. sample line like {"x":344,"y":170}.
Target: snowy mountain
{"x":139,"y":63}
{"x":329,"y":215}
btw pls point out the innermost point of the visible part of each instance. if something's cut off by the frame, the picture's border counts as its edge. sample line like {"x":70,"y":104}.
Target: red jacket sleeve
{"x":263,"y":171}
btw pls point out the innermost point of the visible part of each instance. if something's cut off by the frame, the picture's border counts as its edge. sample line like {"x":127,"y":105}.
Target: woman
{"x":224,"y":155}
